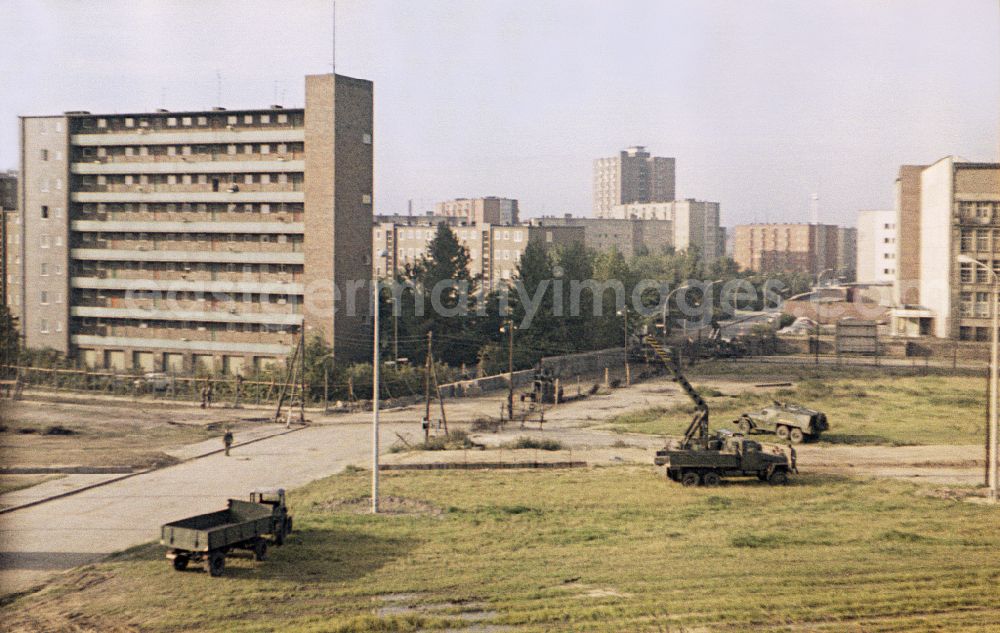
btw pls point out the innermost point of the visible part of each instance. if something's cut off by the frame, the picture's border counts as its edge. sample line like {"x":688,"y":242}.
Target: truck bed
{"x":241,"y":521}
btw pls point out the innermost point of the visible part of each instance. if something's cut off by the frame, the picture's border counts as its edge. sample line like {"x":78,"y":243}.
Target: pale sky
{"x":762,"y":102}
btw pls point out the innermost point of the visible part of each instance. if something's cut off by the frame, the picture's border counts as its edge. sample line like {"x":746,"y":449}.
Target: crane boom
{"x":697,"y":430}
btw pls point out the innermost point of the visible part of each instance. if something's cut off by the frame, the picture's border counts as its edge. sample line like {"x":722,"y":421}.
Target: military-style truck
{"x":787,"y":421}
{"x":701,"y":458}
{"x":725,"y":454}
{"x":247,"y":525}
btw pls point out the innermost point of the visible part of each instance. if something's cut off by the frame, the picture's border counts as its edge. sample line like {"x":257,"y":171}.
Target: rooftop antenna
{"x":409,"y":207}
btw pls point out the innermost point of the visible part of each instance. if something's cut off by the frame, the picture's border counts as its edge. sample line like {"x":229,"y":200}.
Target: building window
{"x":983,"y":241}
{"x":231,"y":119}
{"x":45,"y":241}
{"x":43,"y":326}
{"x":203,"y":120}
{"x":965,"y":273}
{"x":265,"y":118}
{"x":981,"y":274}
{"x":45,"y":212}
{"x":43,"y":269}
{"x":102,"y":123}
{"x":366,"y":198}
{"x":265,"y":149}
{"x":172,"y":121}
{"x":282,"y":118}
{"x":248,"y":119}
{"x":129,"y":122}
{"x":45,"y":154}
{"x":230,"y":149}
{"x":366,"y":138}
{"x":44,"y":299}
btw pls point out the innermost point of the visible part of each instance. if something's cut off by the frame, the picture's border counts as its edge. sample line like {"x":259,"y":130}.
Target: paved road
{"x":39,"y":541}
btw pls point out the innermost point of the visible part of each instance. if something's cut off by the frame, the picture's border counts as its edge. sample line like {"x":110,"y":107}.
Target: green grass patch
{"x":869,"y":408}
{"x":605,"y":549}
{"x":544,"y":444}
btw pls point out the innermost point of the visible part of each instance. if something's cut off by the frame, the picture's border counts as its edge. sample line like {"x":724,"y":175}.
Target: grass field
{"x":605,"y":549}
{"x":868,"y":408}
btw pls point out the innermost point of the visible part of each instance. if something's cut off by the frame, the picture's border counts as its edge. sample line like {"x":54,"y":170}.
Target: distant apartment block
{"x":632,"y":176}
{"x":489,"y":210}
{"x":190,"y":240}
{"x":906,"y":286}
{"x":806,"y":248}
{"x":876,"y":260}
{"x":628,"y":237}
{"x":955,"y":206}
{"x":494,"y":250}
{"x":9,"y":235}
{"x":695,"y":223}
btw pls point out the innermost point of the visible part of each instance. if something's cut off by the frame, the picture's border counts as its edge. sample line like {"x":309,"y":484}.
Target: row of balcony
{"x":197,"y":316}
{"x":195,"y":164}
{"x":112,"y":226}
{"x":192,"y":256}
{"x":190,"y":136}
{"x":189,"y":285}
{"x":146,"y":196}
{"x":191,"y":342}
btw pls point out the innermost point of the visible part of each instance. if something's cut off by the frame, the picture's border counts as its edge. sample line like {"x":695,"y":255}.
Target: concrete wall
{"x":565,"y":367}
{"x":906,"y":288}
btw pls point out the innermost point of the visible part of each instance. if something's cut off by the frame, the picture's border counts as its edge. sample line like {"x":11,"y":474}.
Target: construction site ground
{"x":44,"y":539}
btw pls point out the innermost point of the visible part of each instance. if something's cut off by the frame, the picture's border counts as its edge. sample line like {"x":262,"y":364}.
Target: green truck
{"x":703,"y":458}
{"x":788,"y":421}
{"x":247,"y":525}
{"x":725,"y":454}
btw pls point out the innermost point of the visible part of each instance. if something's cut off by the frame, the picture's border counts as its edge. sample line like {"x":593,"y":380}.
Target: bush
{"x":530,"y":442}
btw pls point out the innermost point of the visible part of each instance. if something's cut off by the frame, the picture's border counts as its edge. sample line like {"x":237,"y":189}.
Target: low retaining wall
{"x":570,"y":365}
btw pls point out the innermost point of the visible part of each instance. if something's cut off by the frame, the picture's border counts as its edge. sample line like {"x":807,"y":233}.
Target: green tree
{"x":10,"y":338}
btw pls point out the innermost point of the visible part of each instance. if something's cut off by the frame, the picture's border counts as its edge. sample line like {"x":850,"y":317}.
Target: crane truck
{"x":704,"y":458}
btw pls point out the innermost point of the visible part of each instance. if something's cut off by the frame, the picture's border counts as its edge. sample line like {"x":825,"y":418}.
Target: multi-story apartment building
{"x":695,"y":222}
{"x":9,"y":236}
{"x":629,"y":237}
{"x":809,"y":248}
{"x":494,"y":250}
{"x":876,"y":247}
{"x":489,"y":210}
{"x":959,"y":214}
{"x":847,"y":253}
{"x":179,"y":240}
{"x":632,"y":176}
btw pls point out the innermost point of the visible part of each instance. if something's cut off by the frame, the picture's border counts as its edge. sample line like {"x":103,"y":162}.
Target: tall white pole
{"x":375,"y":394}
{"x":991,"y":453}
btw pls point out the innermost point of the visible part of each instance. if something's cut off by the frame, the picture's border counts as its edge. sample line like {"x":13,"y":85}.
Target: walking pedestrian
{"x":227,"y":439}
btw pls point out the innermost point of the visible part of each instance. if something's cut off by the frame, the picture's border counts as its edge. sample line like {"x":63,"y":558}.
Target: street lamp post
{"x":993,"y":476}
{"x":666,"y":308}
{"x":508,"y":328}
{"x":623,"y":313}
{"x":376,"y":361}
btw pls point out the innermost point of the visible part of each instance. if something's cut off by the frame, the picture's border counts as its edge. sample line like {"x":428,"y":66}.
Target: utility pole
{"x":509,"y":327}
{"x":376,"y":359}
{"x":628,"y":374}
{"x":428,"y":364}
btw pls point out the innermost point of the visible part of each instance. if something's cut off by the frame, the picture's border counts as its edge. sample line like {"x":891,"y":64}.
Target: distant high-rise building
{"x":489,"y":210}
{"x":9,"y":251}
{"x":806,"y":248}
{"x":876,"y":247}
{"x":695,"y":223}
{"x":632,"y":176}
{"x":198,"y":240}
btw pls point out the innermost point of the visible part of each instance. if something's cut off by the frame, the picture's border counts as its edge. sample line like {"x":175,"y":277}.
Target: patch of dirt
{"x":953,"y":494}
{"x":387,"y":505}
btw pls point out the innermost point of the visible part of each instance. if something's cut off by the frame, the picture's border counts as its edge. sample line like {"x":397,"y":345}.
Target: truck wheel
{"x":778,"y":478}
{"x":711,"y":479}
{"x":260,"y":550}
{"x":782,"y":431}
{"x":745,"y":426}
{"x":216,"y":564}
{"x":796,"y":436}
{"x":690,"y":479}
{"x":180,"y":562}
